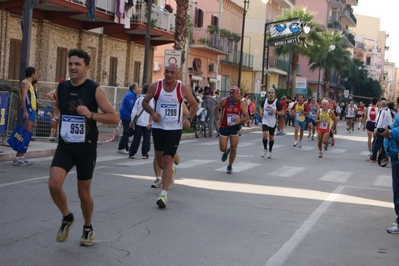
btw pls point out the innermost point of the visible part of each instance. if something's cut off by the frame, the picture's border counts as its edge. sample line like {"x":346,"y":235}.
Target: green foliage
{"x":188,"y":130}
{"x":213,"y":29}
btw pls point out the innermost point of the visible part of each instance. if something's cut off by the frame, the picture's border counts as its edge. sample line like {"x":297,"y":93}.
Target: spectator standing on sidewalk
{"x":125,"y":112}
{"x":209,"y":105}
{"x":28,"y":110}
{"x":52,"y":96}
{"x":391,"y":141}
{"x":142,"y":127}
{"x":78,"y":101}
{"x":384,"y":118}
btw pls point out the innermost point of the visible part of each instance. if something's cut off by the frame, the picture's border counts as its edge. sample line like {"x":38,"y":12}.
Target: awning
{"x":197,"y":78}
{"x":213,"y":80}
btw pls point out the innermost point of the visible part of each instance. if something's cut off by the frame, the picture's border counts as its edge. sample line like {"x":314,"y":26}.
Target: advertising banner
{"x":3,"y":112}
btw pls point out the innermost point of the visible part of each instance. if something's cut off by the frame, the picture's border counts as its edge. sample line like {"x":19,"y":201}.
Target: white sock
{"x":164,"y":192}
{"x":158,"y":177}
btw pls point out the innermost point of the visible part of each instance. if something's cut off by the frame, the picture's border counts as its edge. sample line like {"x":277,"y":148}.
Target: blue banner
{"x":3,"y":112}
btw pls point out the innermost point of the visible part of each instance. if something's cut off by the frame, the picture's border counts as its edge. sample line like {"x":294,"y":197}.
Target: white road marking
{"x":133,"y":162}
{"x":383,"y":181}
{"x":211,"y":143}
{"x":336,"y":176}
{"x":110,"y":158}
{"x":334,"y":150}
{"x":287,"y":171}
{"x":285,"y":251}
{"x":239,"y":167}
{"x":193,"y":163}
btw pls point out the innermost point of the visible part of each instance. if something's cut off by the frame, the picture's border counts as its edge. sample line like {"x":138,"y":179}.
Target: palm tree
{"x":322,"y":56}
{"x":181,"y":28}
{"x":305,"y":40}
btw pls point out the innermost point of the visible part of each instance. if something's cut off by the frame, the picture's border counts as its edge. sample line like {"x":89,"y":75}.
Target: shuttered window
{"x":136,"y":72}
{"x":198,"y":18}
{"x":15,"y":59}
{"x":113,"y":67}
{"x":61,"y":66}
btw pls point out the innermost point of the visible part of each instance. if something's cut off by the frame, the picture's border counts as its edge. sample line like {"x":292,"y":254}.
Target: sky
{"x":384,"y":10}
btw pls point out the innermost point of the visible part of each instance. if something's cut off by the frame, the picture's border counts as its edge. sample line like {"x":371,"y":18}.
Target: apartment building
{"x":114,"y":36}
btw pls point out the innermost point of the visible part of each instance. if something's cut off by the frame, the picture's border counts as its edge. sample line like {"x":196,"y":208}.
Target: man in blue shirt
{"x":124,"y":113}
{"x":391,"y":141}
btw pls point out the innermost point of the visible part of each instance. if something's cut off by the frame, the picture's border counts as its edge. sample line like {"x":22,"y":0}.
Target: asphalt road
{"x":294,"y":209}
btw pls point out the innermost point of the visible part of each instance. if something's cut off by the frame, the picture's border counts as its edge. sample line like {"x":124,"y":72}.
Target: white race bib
{"x":323,"y":125}
{"x":73,"y":128}
{"x":230,"y":119}
{"x":169,"y":112}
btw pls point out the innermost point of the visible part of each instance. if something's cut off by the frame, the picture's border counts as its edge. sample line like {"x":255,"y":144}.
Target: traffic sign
{"x":172,"y":57}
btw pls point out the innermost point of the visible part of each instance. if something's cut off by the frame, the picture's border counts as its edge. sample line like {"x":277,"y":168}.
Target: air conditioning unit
{"x":211,"y":68}
{"x":157,"y":66}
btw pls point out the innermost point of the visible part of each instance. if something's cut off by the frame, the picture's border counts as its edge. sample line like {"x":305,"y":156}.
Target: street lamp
{"x":331,"y":48}
{"x":246,"y":5}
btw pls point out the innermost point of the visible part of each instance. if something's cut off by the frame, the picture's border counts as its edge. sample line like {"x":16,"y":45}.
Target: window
{"x":214,"y":20}
{"x":136,"y":72}
{"x":368,"y":61}
{"x":113,"y":67}
{"x":15,"y":59}
{"x":60,"y":72}
{"x":198,"y":18}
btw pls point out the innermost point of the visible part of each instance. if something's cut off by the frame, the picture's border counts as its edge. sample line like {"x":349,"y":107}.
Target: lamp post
{"x":331,"y":48}
{"x":246,"y":5}
{"x":147,"y":40}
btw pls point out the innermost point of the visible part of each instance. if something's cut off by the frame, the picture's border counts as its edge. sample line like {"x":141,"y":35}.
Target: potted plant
{"x":168,"y":8}
{"x":202,"y":40}
{"x":235,"y":37}
{"x":225,"y":33}
{"x":213,"y":29}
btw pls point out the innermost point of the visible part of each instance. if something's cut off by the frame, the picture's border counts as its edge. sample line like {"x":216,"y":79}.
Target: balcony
{"x":335,"y":25}
{"x":72,"y":14}
{"x":214,"y":43}
{"x":337,"y":3}
{"x":348,"y":38}
{"x":234,"y":59}
{"x":285,"y":3}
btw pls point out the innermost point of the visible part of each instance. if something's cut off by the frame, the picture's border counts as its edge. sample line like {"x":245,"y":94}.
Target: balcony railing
{"x":234,"y":58}
{"x":160,"y":18}
{"x":214,"y":40}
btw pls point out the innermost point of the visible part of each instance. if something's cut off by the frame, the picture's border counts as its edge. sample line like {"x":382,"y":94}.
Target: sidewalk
{"x":41,"y":148}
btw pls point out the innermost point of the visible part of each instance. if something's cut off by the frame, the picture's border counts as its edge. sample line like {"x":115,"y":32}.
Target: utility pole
{"x":26,"y":24}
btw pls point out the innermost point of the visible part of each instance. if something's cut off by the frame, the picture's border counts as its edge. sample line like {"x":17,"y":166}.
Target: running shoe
{"x":370,"y":153}
{"x":320,"y":154}
{"x":332,"y":142}
{"x":176,"y":160}
{"x":123,"y":151}
{"x":299,"y":144}
{"x":309,"y":135}
{"x":157,"y":183}
{"x":145,"y":157}
{"x":394,"y":229}
{"x":52,"y":140}
{"x":62,"y":234}
{"x":161,"y":202}
{"x":229,"y":169}
{"x":21,"y":162}
{"x":325,"y":146}
{"x":264,"y":153}
{"x":87,"y":237}
{"x":312,"y":137}
{"x":269,"y":155}
{"x":225,"y":155}
{"x":294,"y":144}
{"x":132,"y":157}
